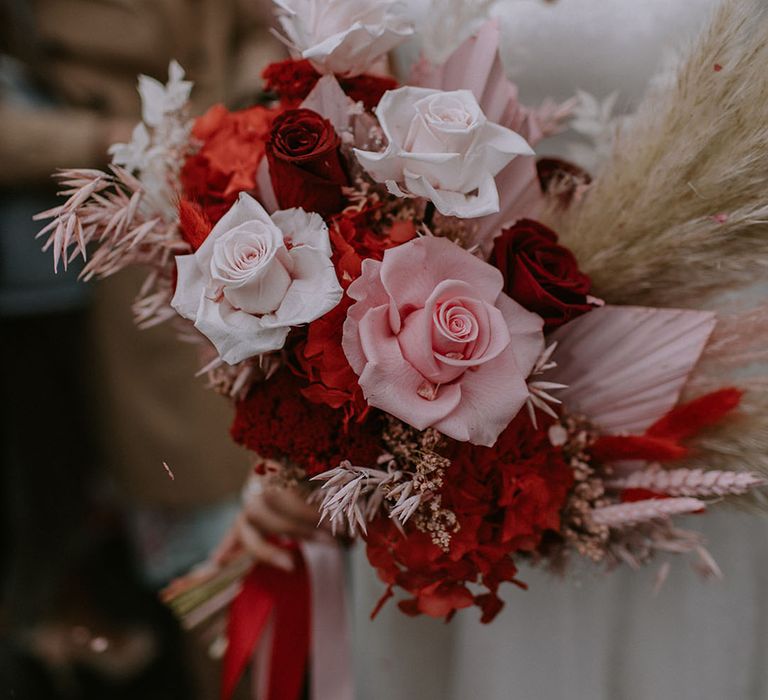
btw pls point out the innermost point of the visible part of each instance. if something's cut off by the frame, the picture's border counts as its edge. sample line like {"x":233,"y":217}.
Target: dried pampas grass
{"x":680,"y":207}
{"x":678,"y":216}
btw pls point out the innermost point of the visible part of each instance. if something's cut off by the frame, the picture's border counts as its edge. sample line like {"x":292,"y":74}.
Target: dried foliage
{"x":695,"y":483}
{"x":107,"y":216}
{"x":679,"y":208}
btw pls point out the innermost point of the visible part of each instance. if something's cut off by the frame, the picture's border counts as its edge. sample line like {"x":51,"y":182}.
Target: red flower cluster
{"x":505,"y":498}
{"x":232,"y":145}
{"x":355,"y":235}
{"x":278,"y":423}
{"x":293,"y":80}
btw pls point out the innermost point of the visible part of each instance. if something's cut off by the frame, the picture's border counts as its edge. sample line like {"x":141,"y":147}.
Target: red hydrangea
{"x":505,"y":498}
{"x":292,"y":80}
{"x":232,"y":145}
{"x":355,"y":235}
{"x":278,"y":423}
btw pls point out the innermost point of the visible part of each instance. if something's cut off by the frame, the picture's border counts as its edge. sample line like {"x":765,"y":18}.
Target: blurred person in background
{"x":80,"y":387}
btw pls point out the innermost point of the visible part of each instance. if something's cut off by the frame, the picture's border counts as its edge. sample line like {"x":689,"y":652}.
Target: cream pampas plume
{"x":680,"y":207}
{"x":679,"y":212}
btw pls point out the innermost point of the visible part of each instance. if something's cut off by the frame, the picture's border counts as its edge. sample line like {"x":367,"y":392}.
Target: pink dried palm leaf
{"x":624,"y":366}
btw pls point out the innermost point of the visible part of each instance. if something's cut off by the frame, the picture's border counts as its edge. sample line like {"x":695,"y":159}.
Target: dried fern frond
{"x":680,"y":207}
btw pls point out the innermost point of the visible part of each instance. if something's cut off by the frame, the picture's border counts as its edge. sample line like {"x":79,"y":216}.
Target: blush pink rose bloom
{"x":436,"y":343}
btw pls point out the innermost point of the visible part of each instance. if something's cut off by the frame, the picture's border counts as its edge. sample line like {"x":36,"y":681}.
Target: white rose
{"x":255,"y":277}
{"x":442,"y":147}
{"x":344,"y":36}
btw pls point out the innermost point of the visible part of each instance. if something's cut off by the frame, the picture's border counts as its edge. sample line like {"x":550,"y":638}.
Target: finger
{"x":260,"y":549}
{"x":228,"y":548}
{"x":265,"y":518}
{"x":293,"y":504}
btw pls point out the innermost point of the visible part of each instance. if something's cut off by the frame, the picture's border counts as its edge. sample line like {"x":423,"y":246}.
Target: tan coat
{"x":152,"y":408}
{"x":91,"y":51}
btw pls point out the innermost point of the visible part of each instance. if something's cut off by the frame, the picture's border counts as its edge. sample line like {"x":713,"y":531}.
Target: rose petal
{"x":411,"y":272}
{"x":236,"y":334}
{"x":395,"y":112}
{"x":525,"y":330}
{"x":463,"y":206}
{"x":392,"y":384}
{"x":313,"y":292}
{"x":491,"y":396}
{"x":190,"y":286}
{"x":246,"y":208}
{"x":303,"y":228}
{"x":367,"y":287}
{"x":501,"y":143}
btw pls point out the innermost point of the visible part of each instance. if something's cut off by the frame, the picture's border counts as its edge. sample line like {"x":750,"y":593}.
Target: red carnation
{"x":540,"y":274}
{"x":293,"y":80}
{"x":505,"y":499}
{"x":278,"y":423}
{"x":232,"y":145}
{"x":305,"y":163}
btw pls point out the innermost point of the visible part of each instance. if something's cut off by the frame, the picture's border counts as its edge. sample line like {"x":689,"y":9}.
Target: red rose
{"x":305,"y":163}
{"x":541,"y":275}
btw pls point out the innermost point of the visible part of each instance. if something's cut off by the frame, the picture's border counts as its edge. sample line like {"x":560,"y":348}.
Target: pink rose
{"x":436,"y":343}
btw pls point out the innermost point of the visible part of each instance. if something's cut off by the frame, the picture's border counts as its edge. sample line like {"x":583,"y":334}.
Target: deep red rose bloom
{"x":277,"y":422}
{"x":232,"y":145}
{"x":293,"y":80}
{"x":305,"y":163}
{"x":540,"y":274}
{"x":355,"y":235}
{"x":505,"y":499}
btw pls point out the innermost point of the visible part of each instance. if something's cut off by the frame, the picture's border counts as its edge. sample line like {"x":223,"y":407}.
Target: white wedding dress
{"x":590,"y":637}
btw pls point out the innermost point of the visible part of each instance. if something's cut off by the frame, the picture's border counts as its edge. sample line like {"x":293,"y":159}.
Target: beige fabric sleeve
{"x":33,"y":143}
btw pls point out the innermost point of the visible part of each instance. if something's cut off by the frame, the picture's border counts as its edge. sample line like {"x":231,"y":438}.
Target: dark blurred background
{"x":90,"y":407}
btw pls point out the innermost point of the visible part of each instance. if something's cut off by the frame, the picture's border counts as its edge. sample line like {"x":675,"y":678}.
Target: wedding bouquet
{"x":474,"y":357}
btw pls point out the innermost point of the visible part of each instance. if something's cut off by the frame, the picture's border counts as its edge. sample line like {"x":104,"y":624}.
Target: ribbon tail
{"x":331,"y":675}
{"x":290,"y":644}
{"x":248,"y":615}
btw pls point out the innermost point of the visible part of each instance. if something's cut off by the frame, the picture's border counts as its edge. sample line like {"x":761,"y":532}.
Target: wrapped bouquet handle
{"x":289,"y":622}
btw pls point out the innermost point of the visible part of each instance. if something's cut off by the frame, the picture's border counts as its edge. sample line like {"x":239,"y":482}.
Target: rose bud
{"x":305,"y":164}
{"x":541,"y":275}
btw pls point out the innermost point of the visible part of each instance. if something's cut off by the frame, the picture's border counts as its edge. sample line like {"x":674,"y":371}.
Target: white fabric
{"x":591,"y":637}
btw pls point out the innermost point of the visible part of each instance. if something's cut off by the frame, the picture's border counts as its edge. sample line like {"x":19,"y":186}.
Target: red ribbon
{"x":283,"y":597}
